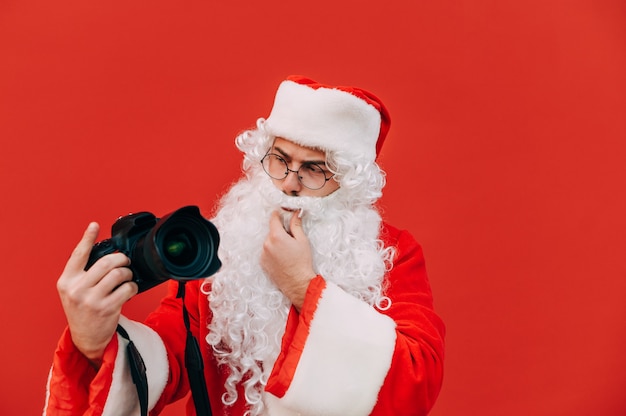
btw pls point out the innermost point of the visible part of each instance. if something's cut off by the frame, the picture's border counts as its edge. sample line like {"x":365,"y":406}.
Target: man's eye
{"x":310,"y":167}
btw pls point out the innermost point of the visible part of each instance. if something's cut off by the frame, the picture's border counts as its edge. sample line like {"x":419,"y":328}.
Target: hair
{"x":363,"y":179}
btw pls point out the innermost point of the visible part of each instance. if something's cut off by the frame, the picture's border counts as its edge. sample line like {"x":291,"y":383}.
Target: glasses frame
{"x":295,"y":171}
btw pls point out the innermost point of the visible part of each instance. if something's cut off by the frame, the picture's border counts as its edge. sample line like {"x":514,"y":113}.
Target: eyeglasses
{"x":310,"y":174}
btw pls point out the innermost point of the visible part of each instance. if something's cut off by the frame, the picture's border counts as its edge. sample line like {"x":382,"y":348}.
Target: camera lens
{"x":186,"y":244}
{"x":179,"y":247}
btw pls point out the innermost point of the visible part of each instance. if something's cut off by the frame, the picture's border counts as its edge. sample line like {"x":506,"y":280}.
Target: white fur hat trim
{"x":325,"y":118}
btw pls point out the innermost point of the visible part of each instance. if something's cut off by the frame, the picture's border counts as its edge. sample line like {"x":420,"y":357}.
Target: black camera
{"x":181,"y":245}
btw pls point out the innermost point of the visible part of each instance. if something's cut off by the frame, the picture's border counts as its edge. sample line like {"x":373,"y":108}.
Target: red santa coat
{"x":339,"y":355}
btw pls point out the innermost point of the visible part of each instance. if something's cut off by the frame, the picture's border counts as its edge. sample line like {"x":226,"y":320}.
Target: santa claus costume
{"x":366,"y":341}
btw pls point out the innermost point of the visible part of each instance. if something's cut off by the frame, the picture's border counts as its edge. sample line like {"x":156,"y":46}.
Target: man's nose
{"x":291,"y":184}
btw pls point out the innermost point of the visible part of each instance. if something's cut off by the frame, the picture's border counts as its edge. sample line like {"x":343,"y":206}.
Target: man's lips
{"x":298,"y":210}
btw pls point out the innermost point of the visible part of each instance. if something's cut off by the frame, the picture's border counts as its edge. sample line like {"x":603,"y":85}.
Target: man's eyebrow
{"x":287,"y":157}
{"x":282,"y":152}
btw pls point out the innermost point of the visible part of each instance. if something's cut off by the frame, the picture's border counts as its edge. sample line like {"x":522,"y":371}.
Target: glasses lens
{"x":274,"y":166}
{"x":312,"y":176}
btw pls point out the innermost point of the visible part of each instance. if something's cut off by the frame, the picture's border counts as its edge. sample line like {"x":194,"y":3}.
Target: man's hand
{"x":93,"y":299}
{"x":287,"y":259}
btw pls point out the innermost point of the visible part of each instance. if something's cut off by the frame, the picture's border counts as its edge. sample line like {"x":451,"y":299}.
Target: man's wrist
{"x":298,"y":294}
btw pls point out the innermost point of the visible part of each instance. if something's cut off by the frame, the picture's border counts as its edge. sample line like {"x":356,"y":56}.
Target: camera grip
{"x":100,"y":249}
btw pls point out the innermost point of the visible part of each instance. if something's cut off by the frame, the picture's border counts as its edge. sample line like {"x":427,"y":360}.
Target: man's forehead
{"x":289,"y":146}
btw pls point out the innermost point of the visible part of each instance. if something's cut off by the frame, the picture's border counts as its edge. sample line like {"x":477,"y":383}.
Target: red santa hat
{"x":346,"y":119}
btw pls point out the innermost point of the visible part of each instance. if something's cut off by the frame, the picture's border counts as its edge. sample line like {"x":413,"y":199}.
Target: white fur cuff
{"x":122,"y":399}
{"x":344,"y":362}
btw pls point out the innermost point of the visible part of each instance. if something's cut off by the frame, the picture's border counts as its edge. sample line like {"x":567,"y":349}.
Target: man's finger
{"x":126,"y":291}
{"x":103,"y":266}
{"x":118,"y":285}
{"x":276,"y":223}
{"x":80,"y":255}
{"x":112,"y":278}
{"x":295,"y":224}
{"x":275,"y":219}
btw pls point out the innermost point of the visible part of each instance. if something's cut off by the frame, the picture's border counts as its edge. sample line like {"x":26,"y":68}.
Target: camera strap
{"x":137,"y":371}
{"x":194,"y":364}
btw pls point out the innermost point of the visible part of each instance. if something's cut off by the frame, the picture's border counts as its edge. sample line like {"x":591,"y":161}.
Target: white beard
{"x":249,"y":312}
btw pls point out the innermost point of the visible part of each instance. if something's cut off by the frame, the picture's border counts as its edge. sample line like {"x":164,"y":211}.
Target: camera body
{"x":182,"y":246}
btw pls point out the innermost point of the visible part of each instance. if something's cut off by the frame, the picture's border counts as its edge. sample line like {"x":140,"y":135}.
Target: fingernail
{"x":300,"y":212}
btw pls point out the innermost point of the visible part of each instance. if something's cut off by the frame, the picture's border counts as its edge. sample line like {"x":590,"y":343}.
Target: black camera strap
{"x":194,"y":364}
{"x":137,"y":371}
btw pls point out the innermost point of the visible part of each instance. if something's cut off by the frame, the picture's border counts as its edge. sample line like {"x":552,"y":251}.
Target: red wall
{"x":506,"y":159}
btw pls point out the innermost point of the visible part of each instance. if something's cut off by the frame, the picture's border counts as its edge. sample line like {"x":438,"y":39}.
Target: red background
{"x":506,"y":159}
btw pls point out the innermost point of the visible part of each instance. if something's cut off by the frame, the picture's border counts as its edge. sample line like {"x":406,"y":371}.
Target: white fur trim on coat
{"x":325,"y":118}
{"x":344,"y":362}
{"x":122,"y":399}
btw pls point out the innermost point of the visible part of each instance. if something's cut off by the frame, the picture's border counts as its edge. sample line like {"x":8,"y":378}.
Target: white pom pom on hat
{"x":340,"y":118}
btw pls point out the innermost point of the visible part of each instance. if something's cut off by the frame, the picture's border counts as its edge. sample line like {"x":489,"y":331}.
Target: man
{"x":320,"y":308}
